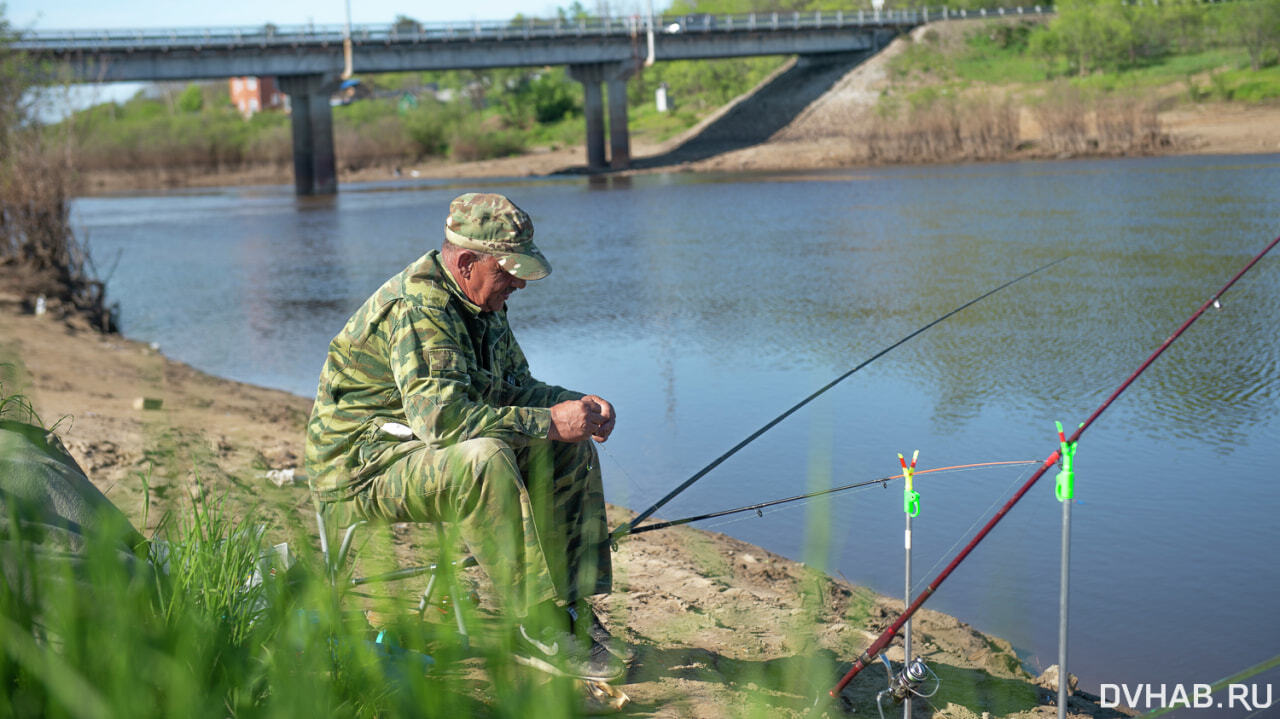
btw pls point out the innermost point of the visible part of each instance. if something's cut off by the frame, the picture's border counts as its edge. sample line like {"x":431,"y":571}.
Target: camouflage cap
{"x":494,"y":225}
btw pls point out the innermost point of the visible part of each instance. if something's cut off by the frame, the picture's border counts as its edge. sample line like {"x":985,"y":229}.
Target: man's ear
{"x":466,"y":259}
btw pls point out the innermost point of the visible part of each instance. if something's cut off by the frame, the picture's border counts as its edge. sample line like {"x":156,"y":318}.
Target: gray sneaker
{"x":565,"y":655}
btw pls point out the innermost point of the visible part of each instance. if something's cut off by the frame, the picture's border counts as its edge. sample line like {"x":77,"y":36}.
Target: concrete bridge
{"x":309,"y":60}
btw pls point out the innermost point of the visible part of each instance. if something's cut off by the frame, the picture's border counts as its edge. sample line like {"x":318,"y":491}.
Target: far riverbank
{"x":1206,"y":129}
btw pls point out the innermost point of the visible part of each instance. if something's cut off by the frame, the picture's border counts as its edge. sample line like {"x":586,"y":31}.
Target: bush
{"x":1255,"y":24}
{"x":39,"y":252}
{"x":702,"y":85}
{"x":382,"y":140}
{"x":554,"y":97}
{"x":272,"y":146}
{"x":191,"y":99}
{"x":936,"y":126}
{"x":1061,"y":116}
{"x":1127,"y":124}
{"x":469,"y":142}
{"x":364,"y":112}
{"x":428,"y":126}
{"x":1091,"y":35}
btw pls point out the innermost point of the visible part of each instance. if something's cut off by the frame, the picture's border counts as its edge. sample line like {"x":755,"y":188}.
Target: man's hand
{"x":575,"y":420}
{"x":610,"y":417}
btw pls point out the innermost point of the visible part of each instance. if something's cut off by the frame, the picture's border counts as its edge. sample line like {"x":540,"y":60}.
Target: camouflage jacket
{"x":420,"y":354}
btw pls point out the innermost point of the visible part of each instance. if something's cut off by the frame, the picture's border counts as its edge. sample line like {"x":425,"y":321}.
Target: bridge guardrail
{"x":523,"y":29}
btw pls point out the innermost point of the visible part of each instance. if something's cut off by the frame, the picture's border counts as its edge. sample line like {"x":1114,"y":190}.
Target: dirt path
{"x":721,"y":626}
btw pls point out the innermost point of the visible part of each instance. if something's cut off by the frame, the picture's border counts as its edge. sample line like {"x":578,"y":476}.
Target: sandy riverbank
{"x":719,"y":624}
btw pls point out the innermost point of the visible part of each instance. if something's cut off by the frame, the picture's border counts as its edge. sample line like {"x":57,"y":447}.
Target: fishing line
{"x":883,"y":481}
{"x":779,"y":511}
{"x":981,"y":516}
{"x":853,"y":491}
{"x":887,"y":635}
{"x":629,"y":528}
{"x":625,"y":474}
{"x":844,"y":498}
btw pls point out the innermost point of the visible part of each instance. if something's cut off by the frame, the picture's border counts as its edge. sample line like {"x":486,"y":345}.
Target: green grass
{"x":1177,"y":66}
{"x":976,"y":688}
{"x":1220,"y":74}
{"x":921,"y":58}
{"x":565,"y":132}
{"x":858,"y":612}
{"x":646,"y":122}
{"x":997,"y":54}
{"x":708,"y":561}
{"x":998,"y":70}
{"x":1248,"y":86}
{"x":180,"y":630}
{"x":103,"y":637}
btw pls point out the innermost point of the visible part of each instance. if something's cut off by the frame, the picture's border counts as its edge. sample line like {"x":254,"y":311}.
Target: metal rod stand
{"x":1063,"y":683}
{"x":910,"y":507}
{"x":906,"y":602}
{"x":1065,"y":490}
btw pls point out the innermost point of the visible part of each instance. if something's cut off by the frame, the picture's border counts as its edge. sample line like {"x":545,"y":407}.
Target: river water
{"x":704,"y":305}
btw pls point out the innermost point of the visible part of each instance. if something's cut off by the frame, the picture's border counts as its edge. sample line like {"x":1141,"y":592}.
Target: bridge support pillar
{"x":619,"y":132}
{"x":615,"y":76}
{"x":593,"y":111}
{"x":314,"y":168}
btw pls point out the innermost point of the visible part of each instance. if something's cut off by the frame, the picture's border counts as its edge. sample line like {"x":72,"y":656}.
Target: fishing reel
{"x":906,"y":683}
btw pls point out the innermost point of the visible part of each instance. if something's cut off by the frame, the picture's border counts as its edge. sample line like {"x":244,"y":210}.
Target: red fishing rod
{"x":885,"y":637}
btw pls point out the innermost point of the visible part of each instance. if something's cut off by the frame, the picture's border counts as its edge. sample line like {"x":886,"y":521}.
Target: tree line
{"x":1090,"y":35}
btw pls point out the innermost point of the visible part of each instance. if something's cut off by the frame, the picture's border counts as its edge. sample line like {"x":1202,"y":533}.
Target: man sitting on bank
{"x":426,"y":412}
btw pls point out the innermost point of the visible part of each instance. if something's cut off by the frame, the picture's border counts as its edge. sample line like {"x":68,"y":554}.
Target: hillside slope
{"x":835,"y":128}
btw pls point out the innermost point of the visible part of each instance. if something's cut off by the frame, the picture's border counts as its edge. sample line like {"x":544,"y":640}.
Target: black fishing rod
{"x":868,"y":656}
{"x":630,"y":527}
{"x":883,"y":481}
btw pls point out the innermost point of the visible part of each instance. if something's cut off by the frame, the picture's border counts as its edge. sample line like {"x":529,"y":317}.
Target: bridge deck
{"x":61,"y":41}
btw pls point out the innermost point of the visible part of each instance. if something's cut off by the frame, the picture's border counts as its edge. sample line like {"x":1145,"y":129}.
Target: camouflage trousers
{"x":533,"y":517}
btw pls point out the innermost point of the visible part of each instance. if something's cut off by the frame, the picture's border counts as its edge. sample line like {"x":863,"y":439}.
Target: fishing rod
{"x":757,"y":507}
{"x":629,"y":528}
{"x":866,"y":658}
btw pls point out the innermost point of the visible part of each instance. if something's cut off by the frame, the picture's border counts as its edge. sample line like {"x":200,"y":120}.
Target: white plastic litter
{"x":281,"y":477}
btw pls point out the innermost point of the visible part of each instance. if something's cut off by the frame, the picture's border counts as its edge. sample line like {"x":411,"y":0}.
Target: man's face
{"x":490,"y":285}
